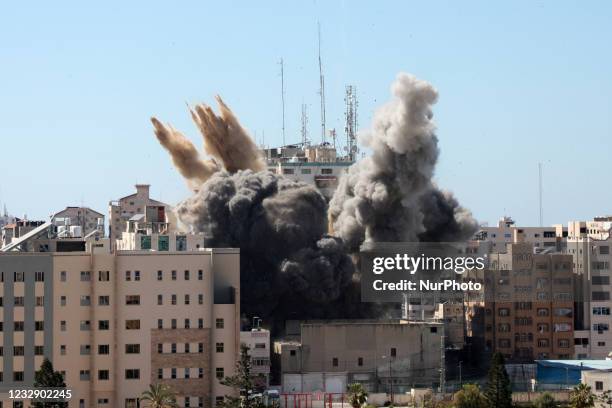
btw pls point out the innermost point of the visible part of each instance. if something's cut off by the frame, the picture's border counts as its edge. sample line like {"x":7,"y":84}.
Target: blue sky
{"x":520,"y":82}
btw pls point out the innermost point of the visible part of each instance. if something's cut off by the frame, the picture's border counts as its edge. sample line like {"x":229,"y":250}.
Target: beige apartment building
{"x":529,"y":304}
{"x":384,"y":356}
{"x":113,"y":323}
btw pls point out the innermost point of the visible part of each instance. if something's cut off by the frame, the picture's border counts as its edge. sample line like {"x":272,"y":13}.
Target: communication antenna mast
{"x":350,"y":117}
{"x":304,"y":131}
{"x":321,"y":88}
{"x":283,"y":95}
{"x":540,"y":193}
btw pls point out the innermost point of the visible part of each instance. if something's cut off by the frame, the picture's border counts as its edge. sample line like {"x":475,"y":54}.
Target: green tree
{"x":159,"y":396}
{"x":470,"y":396}
{"x":242,"y":383}
{"x":498,"y":390}
{"x":47,"y":377}
{"x":606,"y":398}
{"x":545,"y":400}
{"x":358,"y":396}
{"x":581,"y":397}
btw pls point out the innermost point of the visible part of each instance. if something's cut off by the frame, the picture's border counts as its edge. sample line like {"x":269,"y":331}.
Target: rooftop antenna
{"x":350,"y":126}
{"x":540,"y":193}
{"x":304,"y":130}
{"x":321,"y":87}
{"x":283,"y":95}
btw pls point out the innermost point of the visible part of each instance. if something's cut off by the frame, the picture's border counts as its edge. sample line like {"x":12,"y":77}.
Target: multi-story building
{"x":133,"y":207}
{"x":17,"y":229}
{"x":391,"y":356}
{"x":258,"y":342}
{"x":506,"y":232}
{"x":529,"y":304}
{"x":115,"y":322}
{"x":88,"y":220}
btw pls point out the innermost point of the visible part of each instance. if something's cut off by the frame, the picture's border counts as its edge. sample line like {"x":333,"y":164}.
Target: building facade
{"x":258,"y":342}
{"x":113,"y":323}
{"x":89,"y":220}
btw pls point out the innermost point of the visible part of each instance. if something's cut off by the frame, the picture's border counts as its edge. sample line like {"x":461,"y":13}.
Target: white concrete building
{"x":258,"y":342}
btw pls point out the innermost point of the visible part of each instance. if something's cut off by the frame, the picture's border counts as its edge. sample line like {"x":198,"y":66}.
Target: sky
{"x":520,"y":83}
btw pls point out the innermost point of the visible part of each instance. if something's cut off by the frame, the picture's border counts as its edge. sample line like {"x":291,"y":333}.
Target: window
{"x":85,"y":325}
{"x":18,"y":276}
{"x":186,"y":376}
{"x":173,"y":275}
{"x":39,"y":276}
{"x":160,"y":323}
{"x":18,"y":376}
{"x":136,"y":275}
{"x":103,"y":300}
{"x":160,"y":373}
{"x":160,"y":348}
{"x":600,"y":296}
{"x":63,"y":325}
{"x":503,"y":327}
{"x":132,"y":349}
{"x":103,"y":375}
{"x":360,"y":361}
{"x":287,"y":171}
{"x":542,"y":312}
{"x":173,"y":373}
{"x":601,"y":311}
{"x":145,"y":242}
{"x":18,"y":326}
{"x":600,"y":280}
{"x":598,"y":385}
{"x":604,"y":250}
{"x":563,"y":343}
{"x":84,"y":375}
{"x":200,"y":299}
{"x":18,"y":350}
{"x":85,"y":349}
{"x":187,"y":323}
{"x":163,"y":243}
{"x":186,"y":275}
{"x":503,"y":312}
{"x":200,"y":274}
{"x":103,"y":349}
{"x":200,"y":373}
{"x":327,"y":171}
{"x":102,"y":401}
{"x":40,"y":300}
{"x":219,"y":323}
{"x":306,"y":171}
{"x":504,"y":343}
{"x":335,"y":362}
{"x":132,"y":324}
{"x":85,"y":300}
{"x":219,"y":372}
{"x":173,"y":324}
{"x":132,"y":299}
{"x":200,"y":323}
{"x":63,"y":276}
{"x":186,"y":299}
{"x":160,"y":299}
{"x":219,"y":347}
{"x":132,"y":374}
{"x":103,"y":325}
{"x":601,"y":327}
{"x":181,"y":243}
{"x":85,"y":276}
{"x":173,"y":300}
{"x":18,"y":301}
{"x":200,"y":348}
{"x":39,"y":350}
{"x":292,"y":353}
{"x":160,"y":275}
{"x":103,"y":276}
{"x":173,"y":348}
{"x":131,"y":403}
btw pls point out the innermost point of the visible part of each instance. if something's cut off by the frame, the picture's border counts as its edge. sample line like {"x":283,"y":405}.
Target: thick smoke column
{"x":224,"y":139}
{"x":291,"y":269}
{"x":387,"y":197}
{"x":184,"y":154}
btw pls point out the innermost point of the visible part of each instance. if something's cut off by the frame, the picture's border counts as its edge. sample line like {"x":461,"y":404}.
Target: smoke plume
{"x":290,"y":266}
{"x":388,"y":196}
{"x":279,"y":226}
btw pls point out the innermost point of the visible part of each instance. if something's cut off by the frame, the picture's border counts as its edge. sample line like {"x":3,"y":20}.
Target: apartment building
{"x":385,"y":356}
{"x":88,"y":220}
{"x":529,"y":304}
{"x":135,"y":205}
{"x":507,"y":232}
{"x":258,"y":342}
{"x":115,"y":322}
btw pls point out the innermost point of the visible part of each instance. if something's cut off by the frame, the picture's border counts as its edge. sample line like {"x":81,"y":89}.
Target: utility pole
{"x":304,"y":121}
{"x":442,"y":366}
{"x":283,"y":95}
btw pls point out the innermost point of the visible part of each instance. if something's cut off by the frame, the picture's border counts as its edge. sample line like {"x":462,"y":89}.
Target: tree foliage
{"x":159,"y":396}
{"x":470,"y":396}
{"x":242,"y":383}
{"x":358,"y":396}
{"x":498,"y":390}
{"x":545,"y":400}
{"x":47,"y":377}
{"x":581,"y":397}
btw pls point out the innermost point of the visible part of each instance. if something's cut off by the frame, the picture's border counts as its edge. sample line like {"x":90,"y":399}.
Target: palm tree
{"x":357,"y":395}
{"x":582,"y":397}
{"x":159,"y":396}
